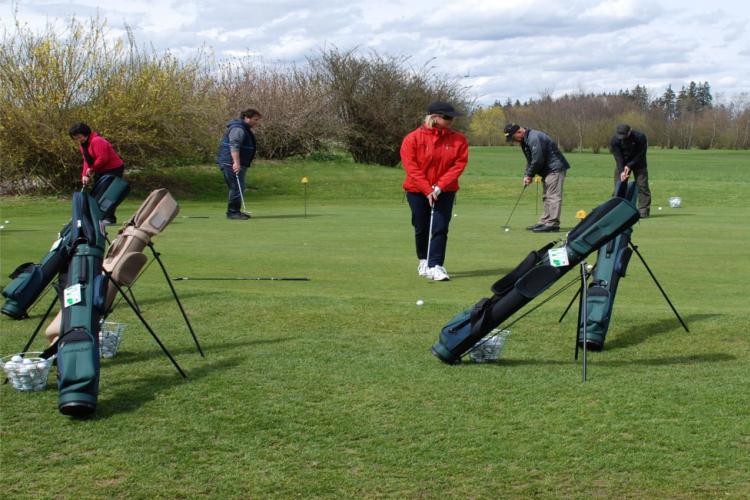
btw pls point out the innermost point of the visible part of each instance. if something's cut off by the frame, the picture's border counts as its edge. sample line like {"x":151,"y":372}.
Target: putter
{"x":506,"y":226}
{"x":239,"y":188}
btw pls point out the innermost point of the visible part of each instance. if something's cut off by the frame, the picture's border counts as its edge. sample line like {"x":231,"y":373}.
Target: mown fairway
{"x":327,"y":388}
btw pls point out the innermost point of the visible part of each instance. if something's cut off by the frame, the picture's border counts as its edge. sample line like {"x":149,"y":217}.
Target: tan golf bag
{"x":125,"y":258}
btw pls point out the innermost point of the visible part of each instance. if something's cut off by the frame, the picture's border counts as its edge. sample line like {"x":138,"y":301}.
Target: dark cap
{"x":442,"y":108}
{"x":623,"y":130}
{"x":509,"y":130}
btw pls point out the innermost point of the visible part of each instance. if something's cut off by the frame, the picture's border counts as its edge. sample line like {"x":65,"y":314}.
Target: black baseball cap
{"x":442,"y":108}
{"x":509,"y":130}
{"x":623,"y":130}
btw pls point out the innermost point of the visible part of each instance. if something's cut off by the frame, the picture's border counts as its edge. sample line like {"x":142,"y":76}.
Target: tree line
{"x":161,"y":110}
{"x":686,"y":119}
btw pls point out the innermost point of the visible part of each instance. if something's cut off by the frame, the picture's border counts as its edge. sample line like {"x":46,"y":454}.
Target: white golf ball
{"x":17,"y":359}
{"x":2,"y":227}
{"x":420,"y":302}
{"x":507,"y":229}
{"x":455,"y":215}
{"x":7,"y":222}
{"x":659,"y":208}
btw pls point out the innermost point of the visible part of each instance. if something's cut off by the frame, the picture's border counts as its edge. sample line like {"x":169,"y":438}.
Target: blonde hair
{"x":429,"y":121}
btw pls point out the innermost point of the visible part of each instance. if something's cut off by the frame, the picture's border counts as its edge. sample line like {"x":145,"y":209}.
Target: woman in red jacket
{"x":434,"y":156}
{"x":99,"y":157}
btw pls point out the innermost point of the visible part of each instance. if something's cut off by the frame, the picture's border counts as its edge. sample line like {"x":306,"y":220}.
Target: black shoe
{"x":534,"y":226}
{"x":237,"y":216}
{"x":644,"y":214}
{"x":542,"y":228}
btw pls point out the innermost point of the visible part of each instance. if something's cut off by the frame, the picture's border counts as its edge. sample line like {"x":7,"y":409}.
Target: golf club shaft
{"x":429,"y":236}
{"x":239,"y":188}
{"x":187,"y":278}
{"x":514,"y":206}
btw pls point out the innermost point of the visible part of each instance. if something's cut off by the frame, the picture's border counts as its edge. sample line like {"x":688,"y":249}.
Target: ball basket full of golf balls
{"x":26,"y":371}
{"x":490,"y":347}
{"x":110,"y":338}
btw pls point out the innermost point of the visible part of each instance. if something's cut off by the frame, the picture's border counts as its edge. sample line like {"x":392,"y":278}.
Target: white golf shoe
{"x":422,"y":269}
{"x":438,"y":273}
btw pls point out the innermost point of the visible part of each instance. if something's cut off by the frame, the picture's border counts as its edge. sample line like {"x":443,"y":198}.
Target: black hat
{"x":442,"y":108}
{"x":623,"y":130}
{"x":509,"y":130}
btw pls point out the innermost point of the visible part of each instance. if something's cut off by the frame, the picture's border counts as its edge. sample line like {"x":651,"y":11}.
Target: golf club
{"x":187,"y":278}
{"x":242,"y":197}
{"x":429,"y":237}
{"x":506,"y":226}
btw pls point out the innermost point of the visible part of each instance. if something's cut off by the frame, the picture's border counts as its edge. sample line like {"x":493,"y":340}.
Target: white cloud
{"x":503,"y":49}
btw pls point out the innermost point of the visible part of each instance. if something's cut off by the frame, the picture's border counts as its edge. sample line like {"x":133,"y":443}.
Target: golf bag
{"x":531,"y":277}
{"x":611,"y":264}
{"x":82,"y":304}
{"x":125,"y":257}
{"x":29,"y":279}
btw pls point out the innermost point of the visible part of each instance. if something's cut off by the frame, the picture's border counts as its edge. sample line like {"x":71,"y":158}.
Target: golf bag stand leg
{"x":664,"y":294}
{"x":583,"y":318}
{"x":176,"y":298}
{"x":143,"y":321}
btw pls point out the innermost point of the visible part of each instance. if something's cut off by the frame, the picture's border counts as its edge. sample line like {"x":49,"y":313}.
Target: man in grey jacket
{"x":543,"y":158}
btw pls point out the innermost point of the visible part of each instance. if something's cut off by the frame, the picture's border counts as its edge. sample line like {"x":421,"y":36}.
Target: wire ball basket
{"x":27,"y":371}
{"x":109,"y":338}
{"x":490,"y":347}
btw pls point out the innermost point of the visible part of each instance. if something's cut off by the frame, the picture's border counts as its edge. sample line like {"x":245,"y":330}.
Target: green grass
{"x":327,"y":388}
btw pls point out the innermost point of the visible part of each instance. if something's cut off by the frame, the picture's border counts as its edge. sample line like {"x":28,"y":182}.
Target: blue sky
{"x":499,"y":49}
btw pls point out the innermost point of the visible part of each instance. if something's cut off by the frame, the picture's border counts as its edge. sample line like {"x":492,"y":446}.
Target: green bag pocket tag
{"x":72,"y":295}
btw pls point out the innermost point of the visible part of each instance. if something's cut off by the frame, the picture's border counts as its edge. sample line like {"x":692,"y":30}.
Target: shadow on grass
{"x":135,"y":394}
{"x":121,"y":305}
{"x":499,"y":272}
{"x":641,"y":333}
{"x":208,"y":348}
{"x":597,"y":359}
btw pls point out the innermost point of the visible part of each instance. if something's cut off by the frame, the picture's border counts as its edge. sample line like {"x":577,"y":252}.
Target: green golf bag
{"x":532,"y":277}
{"x":611,"y":264}
{"x":29,"y":279}
{"x":83,"y":290}
{"x":125,"y":258}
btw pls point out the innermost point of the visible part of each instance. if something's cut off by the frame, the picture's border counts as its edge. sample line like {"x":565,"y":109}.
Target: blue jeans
{"x":420,"y":219}
{"x":234,"y":201}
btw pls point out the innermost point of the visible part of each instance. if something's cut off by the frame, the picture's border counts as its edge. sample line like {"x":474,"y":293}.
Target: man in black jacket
{"x":629,"y":147}
{"x":545,"y":159}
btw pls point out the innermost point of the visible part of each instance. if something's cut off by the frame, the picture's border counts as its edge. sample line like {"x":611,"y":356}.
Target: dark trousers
{"x":644,"y":193}
{"x":234,"y":200}
{"x":117,"y":172}
{"x":420,"y":219}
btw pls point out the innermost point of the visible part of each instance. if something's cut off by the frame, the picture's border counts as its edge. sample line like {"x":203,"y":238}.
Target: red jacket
{"x":433,"y":156}
{"x":104,"y":155}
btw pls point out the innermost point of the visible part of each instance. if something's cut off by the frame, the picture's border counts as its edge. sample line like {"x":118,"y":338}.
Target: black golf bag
{"x":532,"y":277}
{"x":82,"y":299}
{"x":29,"y":279}
{"x":125,"y":258}
{"x":611,"y":264}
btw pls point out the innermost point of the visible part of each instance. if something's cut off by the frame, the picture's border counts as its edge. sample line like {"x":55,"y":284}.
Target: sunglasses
{"x":446,"y":117}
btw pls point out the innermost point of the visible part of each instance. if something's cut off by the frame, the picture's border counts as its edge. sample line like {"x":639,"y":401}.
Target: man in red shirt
{"x":99,"y":158}
{"x":433,"y":156}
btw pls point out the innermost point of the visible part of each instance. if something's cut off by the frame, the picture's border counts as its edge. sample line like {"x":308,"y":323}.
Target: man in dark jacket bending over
{"x":629,"y":147}
{"x":236,"y":152}
{"x":543,"y":158}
